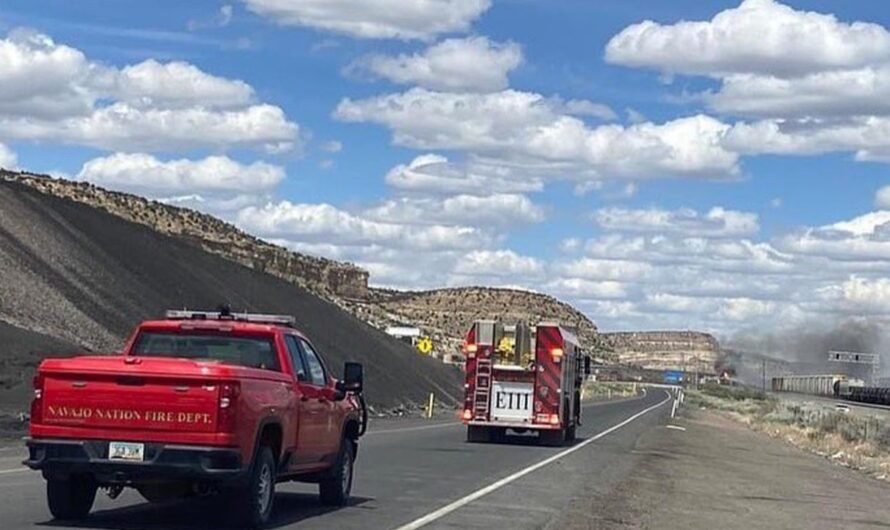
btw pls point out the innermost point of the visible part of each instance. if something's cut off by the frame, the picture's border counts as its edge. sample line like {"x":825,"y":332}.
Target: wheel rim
{"x":264,"y":489}
{"x":347,"y":472}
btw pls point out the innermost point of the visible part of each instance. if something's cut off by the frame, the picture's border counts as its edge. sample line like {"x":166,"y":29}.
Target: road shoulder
{"x":718,"y":474}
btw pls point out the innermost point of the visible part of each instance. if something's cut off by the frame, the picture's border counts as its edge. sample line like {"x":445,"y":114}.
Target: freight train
{"x":836,"y":385}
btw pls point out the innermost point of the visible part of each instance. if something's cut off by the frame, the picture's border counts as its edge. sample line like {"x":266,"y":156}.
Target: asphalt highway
{"x":409,"y":474}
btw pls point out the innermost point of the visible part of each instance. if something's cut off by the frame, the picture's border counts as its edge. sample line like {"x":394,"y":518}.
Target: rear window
{"x":253,"y":352}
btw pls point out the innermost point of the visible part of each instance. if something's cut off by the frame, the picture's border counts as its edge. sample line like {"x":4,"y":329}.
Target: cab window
{"x":316,"y":369}
{"x":250,"y":351}
{"x":296,"y":358}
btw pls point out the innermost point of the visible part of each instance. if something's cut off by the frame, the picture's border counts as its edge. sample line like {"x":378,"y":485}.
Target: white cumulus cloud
{"x":314,"y":223}
{"x":52,"y":92}
{"x":8,"y":158}
{"x":375,"y":19}
{"x":759,"y":37}
{"x":717,"y":222}
{"x":431,"y":173}
{"x":472,"y":64}
{"x":513,"y":125}
{"x":502,"y":263}
{"x":216,"y":184}
{"x":142,"y":172}
{"x":499,"y":209}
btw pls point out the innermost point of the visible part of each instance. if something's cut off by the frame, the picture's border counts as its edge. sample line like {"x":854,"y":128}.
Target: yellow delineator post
{"x":429,"y":409}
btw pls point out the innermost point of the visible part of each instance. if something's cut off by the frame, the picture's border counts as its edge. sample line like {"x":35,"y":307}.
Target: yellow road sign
{"x":424,"y":345}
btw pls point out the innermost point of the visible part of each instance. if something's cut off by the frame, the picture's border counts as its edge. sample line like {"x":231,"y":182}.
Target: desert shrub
{"x":737,"y":393}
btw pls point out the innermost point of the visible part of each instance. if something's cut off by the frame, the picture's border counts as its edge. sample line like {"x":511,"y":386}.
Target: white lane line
{"x":10,"y":471}
{"x":675,"y":427}
{"x":445,"y":510}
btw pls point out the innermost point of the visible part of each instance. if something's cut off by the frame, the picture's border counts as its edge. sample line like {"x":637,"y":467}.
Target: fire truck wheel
{"x":552,"y":438}
{"x":477,"y":434}
{"x":570,"y":434}
{"x":334,"y":490}
{"x":70,"y":498}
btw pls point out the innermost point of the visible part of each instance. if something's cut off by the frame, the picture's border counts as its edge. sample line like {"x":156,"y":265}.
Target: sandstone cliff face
{"x":665,"y":350}
{"x":446,"y":314}
{"x":322,"y":276}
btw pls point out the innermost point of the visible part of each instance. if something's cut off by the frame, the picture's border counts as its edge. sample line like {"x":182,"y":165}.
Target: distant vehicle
{"x":197,"y":403}
{"x":526,"y":389}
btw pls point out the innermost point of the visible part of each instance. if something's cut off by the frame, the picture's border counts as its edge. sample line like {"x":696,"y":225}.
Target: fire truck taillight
{"x":228,"y":395}
{"x":557,"y":354}
{"x":468,"y":414}
{"x":554,"y":419}
{"x":470,"y":350}
{"x":37,"y":402}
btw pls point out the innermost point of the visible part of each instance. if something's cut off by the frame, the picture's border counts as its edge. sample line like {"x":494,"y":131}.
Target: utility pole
{"x":763,"y":372}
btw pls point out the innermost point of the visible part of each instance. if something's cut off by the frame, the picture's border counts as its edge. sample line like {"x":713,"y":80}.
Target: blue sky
{"x":718,"y":165}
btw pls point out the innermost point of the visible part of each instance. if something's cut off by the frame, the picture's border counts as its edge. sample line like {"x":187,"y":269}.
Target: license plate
{"x":126,"y":451}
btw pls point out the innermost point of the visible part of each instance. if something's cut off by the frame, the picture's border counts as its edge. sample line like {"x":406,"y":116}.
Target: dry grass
{"x":854,"y":440}
{"x":600,"y":390}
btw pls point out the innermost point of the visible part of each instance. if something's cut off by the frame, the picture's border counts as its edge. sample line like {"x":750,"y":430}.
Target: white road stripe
{"x":676,"y":427}
{"x":10,"y":471}
{"x":445,"y":510}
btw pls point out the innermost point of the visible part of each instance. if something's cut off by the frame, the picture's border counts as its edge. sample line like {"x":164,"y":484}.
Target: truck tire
{"x":552,"y":438}
{"x":476,"y":434}
{"x":256,"y":498}
{"x":70,"y":498}
{"x":334,"y":489}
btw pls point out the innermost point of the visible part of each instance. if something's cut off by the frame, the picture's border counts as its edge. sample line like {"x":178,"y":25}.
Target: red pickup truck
{"x":197,"y":403}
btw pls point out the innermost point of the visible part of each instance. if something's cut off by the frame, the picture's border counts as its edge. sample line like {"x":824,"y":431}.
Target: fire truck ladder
{"x":482,"y":395}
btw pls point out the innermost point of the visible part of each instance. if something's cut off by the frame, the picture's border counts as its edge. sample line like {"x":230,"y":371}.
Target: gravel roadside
{"x":719,"y":474}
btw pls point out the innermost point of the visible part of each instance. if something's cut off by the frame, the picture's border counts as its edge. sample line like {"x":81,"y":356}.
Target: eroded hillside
{"x":72,"y":275}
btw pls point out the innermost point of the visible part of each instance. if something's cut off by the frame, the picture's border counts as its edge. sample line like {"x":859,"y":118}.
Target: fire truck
{"x":523,"y":378}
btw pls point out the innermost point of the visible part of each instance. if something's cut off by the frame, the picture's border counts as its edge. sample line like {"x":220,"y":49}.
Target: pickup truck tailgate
{"x":108,"y":392}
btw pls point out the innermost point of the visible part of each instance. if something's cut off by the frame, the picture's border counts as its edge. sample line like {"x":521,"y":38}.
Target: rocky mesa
{"x":446,"y":314}
{"x":689,"y":351}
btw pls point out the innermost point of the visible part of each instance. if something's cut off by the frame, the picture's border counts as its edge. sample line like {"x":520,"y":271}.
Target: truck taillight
{"x":468,"y":414}
{"x":228,"y":397}
{"x":554,"y":419}
{"x":37,"y":402}
{"x":557,"y":354}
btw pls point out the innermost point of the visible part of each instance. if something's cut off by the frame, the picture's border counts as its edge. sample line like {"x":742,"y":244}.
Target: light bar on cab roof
{"x":259,"y":318}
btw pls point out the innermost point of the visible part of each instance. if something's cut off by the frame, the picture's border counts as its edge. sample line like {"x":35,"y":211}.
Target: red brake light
{"x":554,"y":419}
{"x":468,"y":414}
{"x":228,"y":397}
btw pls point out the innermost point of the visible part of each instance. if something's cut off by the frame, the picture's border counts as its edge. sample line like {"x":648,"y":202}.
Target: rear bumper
{"x":514,"y":425}
{"x":162,"y":461}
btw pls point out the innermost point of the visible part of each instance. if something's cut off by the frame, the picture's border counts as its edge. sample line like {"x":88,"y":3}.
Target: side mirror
{"x":587,"y":365}
{"x":353,"y":378}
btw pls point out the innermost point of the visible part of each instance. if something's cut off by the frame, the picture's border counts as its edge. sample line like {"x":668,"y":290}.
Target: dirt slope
{"x":71,"y":274}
